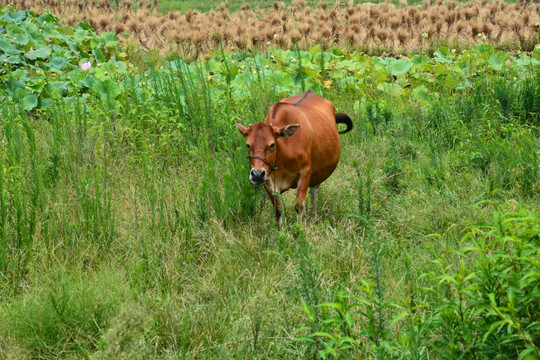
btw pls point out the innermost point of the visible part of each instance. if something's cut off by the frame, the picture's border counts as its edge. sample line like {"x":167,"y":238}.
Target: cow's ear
{"x":288,"y":130}
{"x":243,"y":130}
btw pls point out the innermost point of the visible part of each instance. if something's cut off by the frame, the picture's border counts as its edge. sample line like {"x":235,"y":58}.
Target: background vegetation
{"x":373,"y":28}
{"x":128,"y":228}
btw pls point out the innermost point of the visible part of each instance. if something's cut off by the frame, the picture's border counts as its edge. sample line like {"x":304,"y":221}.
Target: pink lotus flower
{"x":86,"y":66}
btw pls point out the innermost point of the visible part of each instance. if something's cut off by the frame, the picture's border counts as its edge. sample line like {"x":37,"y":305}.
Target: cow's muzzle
{"x":257,"y":177}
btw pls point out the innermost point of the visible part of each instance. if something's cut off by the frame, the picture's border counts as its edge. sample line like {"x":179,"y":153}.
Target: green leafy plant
{"x":482,"y":302}
{"x":333,"y":335}
{"x":41,"y":60}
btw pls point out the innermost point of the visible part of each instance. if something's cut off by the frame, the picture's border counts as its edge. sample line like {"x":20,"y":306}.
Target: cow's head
{"x":262,"y":148}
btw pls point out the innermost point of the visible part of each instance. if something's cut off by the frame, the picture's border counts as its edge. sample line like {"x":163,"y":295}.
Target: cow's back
{"x":316,"y":143}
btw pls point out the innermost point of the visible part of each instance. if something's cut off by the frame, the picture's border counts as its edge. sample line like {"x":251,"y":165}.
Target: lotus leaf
{"x":41,"y":53}
{"x":110,"y":40}
{"x":419,"y":60}
{"x":107,"y":90}
{"x":421,"y":93}
{"x":13,"y":59}
{"x":443,"y":55}
{"x":7,"y":47}
{"x":102,"y":73}
{"x":336,"y":51}
{"x":479,"y":49}
{"x":47,"y":18}
{"x":498,"y":60}
{"x":16,"y":17}
{"x":16,"y":82}
{"x":60,"y":86}
{"x":399,"y":67}
{"x":30,"y":101}
{"x":19,"y":35}
{"x":57,"y":63}
{"x":391,"y":89}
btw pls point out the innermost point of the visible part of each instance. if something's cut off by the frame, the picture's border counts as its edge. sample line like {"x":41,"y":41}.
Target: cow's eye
{"x":248,"y":146}
{"x":272,"y":145}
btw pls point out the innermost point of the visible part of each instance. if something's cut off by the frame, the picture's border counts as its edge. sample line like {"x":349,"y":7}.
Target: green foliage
{"x":480,"y":301}
{"x":334,"y":338}
{"x":490,"y":307}
{"x":41,"y":60}
{"x":418,"y":79}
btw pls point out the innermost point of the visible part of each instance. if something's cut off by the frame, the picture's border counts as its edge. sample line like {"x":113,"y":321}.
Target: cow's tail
{"x":344,"y":119}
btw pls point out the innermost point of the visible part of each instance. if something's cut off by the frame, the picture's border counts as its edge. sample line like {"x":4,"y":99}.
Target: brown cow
{"x":281,"y":162}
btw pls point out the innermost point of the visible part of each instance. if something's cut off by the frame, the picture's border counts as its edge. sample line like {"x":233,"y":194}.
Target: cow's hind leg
{"x":277,"y":205}
{"x":300,"y":201}
{"x":313,"y":192}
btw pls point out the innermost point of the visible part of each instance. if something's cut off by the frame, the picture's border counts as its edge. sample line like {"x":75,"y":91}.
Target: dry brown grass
{"x":366,"y":25}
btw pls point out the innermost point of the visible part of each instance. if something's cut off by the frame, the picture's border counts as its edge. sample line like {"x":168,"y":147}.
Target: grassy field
{"x":235,"y":5}
{"x":167,"y":5}
{"x":129,"y":230}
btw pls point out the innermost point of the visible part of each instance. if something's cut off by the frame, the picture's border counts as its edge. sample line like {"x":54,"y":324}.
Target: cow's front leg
{"x":300,"y":201}
{"x":276,"y":203}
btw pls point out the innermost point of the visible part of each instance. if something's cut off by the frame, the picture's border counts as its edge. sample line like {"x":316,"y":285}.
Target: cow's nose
{"x":257,"y":176}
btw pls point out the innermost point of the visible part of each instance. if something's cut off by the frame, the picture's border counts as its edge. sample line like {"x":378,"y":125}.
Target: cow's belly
{"x":324,"y":161}
{"x":319,"y":173}
{"x":317,"y":177}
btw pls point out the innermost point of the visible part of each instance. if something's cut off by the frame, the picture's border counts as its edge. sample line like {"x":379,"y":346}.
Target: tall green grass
{"x":132,"y":225}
